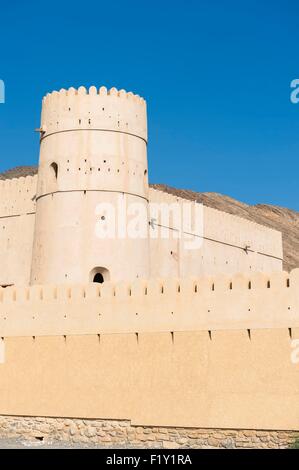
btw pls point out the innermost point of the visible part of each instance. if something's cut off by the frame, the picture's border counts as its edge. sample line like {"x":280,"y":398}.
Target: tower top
{"x":94,"y":109}
{"x":94,"y":91}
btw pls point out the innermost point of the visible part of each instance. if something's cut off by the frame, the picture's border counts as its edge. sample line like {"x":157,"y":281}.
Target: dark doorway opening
{"x":54,"y":168}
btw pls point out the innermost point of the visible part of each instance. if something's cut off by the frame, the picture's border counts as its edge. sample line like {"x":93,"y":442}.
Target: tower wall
{"x":93,"y":151}
{"x":227,"y":243}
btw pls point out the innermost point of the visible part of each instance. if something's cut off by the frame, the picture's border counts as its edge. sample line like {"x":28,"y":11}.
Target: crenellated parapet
{"x":17,"y":196}
{"x":256,"y":301}
{"x":94,"y":109}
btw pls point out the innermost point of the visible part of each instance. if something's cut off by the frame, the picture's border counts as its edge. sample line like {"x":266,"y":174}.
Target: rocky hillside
{"x":18,"y":171}
{"x":278,"y":218}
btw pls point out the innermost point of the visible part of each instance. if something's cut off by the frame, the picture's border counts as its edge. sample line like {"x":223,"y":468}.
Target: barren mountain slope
{"x":278,"y":218}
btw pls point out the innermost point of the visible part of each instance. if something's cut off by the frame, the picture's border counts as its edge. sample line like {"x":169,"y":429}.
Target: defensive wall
{"x":93,"y":149}
{"x":175,"y":348}
{"x":210,"y":353}
{"x":229,"y":244}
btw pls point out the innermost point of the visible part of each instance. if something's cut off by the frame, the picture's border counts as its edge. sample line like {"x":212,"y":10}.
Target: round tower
{"x":92,"y":195}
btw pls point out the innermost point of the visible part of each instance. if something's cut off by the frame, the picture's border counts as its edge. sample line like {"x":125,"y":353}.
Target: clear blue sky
{"x":216,"y":76}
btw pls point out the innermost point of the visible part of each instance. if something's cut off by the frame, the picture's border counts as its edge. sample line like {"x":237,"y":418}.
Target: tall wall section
{"x":218,"y":243}
{"x":93,"y":151}
{"x":17,"y":216}
{"x":216,"y":352}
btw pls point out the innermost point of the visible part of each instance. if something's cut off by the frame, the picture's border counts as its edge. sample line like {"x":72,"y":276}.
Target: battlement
{"x":94,"y":109}
{"x":94,"y":91}
{"x":258,"y":301}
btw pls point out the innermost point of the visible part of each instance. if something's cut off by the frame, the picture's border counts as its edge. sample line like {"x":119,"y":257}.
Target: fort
{"x":181,"y":337}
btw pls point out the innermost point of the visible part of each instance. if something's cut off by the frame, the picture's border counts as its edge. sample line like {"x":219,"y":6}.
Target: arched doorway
{"x":99,"y":275}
